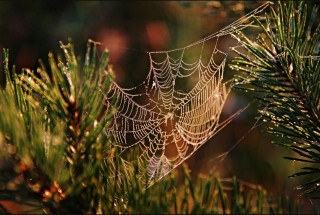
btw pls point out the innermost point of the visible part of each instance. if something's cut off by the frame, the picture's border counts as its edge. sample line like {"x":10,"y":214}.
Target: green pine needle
{"x":283,"y":68}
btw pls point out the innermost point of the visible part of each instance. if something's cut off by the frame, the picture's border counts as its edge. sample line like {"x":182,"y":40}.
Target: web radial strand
{"x":165,"y":119}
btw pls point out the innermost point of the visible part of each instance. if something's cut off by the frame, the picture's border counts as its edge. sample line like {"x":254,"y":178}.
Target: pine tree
{"x":282,"y":69}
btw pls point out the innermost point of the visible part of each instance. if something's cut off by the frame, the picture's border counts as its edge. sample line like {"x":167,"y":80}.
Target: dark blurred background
{"x":31,"y":29}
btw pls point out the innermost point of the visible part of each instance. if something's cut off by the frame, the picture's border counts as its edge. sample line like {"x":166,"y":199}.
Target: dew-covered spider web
{"x":177,"y":108}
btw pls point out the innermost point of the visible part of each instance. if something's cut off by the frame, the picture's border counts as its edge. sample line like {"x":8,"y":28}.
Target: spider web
{"x":165,"y":118}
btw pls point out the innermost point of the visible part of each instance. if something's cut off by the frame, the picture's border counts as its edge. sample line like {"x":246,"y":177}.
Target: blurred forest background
{"x":128,"y":29}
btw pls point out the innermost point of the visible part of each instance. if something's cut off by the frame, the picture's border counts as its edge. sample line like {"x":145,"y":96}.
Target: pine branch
{"x":75,"y":95}
{"x":282,"y":68}
{"x":30,"y":168}
{"x":70,"y":103}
